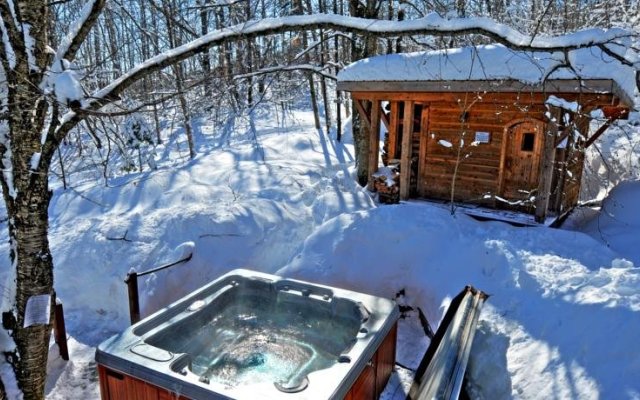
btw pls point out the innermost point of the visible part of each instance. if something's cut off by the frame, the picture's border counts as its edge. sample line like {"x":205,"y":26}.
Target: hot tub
{"x":250,"y":335}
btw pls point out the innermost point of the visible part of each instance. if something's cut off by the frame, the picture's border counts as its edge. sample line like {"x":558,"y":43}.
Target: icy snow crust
{"x":561,"y":322}
{"x":491,"y":62}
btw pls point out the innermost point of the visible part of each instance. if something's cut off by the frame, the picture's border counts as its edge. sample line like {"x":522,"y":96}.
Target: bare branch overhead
{"x":78,"y":33}
{"x":430,"y":25}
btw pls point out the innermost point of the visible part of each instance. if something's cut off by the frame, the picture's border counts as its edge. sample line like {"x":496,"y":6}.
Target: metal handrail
{"x":132,"y":286}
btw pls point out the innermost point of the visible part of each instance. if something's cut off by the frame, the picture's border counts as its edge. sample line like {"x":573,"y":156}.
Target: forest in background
{"x":230,"y":80}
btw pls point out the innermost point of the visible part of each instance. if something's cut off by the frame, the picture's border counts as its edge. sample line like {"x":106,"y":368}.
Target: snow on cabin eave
{"x":492,"y":68}
{"x":583,"y":86}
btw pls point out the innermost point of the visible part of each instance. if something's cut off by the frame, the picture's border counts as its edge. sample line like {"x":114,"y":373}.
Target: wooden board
{"x":405,"y":163}
{"x":385,"y":360}
{"x":559,"y":87}
{"x":393,"y":130}
{"x":522,"y":99}
{"x":115,"y":385}
{"x":374,"y":142}
{"x":547,"y":162}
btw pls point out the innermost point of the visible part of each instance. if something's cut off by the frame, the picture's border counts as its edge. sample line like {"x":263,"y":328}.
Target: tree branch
{"x":614,"y":55}
{"x":15,"y":38}
{"x":280,"y":68}
{"x":430,"y":25}
{"x":79,"y":31}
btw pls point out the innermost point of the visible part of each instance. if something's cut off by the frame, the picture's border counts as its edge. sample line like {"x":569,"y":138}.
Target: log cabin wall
{"x":433,"y":164}
{"x":515,"y":131}
{"x":477,"y":168}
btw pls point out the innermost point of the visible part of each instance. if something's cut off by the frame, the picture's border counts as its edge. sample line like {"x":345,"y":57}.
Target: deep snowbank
{"x":563,"y":309}
{"x":237,"y":213}
{"x":618,"y":222}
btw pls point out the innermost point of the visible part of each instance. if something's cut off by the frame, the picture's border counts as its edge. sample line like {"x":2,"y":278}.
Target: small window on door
{"x":528,"y":141}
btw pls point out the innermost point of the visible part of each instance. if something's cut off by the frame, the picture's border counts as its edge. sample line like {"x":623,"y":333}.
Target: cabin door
{"x":522,"y":162}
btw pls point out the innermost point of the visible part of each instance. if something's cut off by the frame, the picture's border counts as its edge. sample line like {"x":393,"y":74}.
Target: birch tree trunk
{"x":26,"y":195}
{"x":27,"y":146}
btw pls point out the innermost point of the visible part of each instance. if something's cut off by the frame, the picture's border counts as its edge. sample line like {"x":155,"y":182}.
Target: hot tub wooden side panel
{"x":375,"y":375}
{"x":386,"y":360}
{"x":118,"y":386}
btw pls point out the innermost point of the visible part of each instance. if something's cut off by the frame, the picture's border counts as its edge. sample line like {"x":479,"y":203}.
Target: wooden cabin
{"x":488,"y":125}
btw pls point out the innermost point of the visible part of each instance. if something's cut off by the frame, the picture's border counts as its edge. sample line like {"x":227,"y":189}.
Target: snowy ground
{"x":561,"y":322}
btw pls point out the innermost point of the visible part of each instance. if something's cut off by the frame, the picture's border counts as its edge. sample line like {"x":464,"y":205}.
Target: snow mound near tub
{"x":227,"y":208}
{"x":617,"y":223}
{"x":558,"y":298}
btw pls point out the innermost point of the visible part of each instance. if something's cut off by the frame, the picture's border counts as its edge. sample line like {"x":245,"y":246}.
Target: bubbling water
{"x":253,"y":338}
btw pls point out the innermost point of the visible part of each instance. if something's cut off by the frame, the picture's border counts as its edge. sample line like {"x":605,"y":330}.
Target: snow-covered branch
{"x":297,"y":67}
{"x":432,"y":24}
{"x":79,"y":30}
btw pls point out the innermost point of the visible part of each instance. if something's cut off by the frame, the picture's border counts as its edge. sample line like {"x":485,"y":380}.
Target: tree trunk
{"x":26,"y":195}
{"x":174,"y":41}
{"x":205,"y":58}
{"x":34,"y":276}
{"x":362,"y":49}
{"x":299,"y":10}
{"x":323,"y":81}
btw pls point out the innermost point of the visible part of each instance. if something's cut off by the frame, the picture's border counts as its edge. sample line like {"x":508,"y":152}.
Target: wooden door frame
{"x":425,"y":119}
{"x":505,"y":140}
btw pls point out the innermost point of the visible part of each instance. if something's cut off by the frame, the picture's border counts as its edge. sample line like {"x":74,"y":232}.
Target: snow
{"x":73,"y":31}
{"x":29,"y":46}
{"x":390,"y":174}
{"x":67,"y":87}
{"x":613,"y":158}
{"x":7,"y":171}
{"x":35,"y":161}
{"x":562,"y":103}
{"x":492,"y":63}
{"x":561,"y":322}
{"x":618,"y":217}
{"x":7,"y":344}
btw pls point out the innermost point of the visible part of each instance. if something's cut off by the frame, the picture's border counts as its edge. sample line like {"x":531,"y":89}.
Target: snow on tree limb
{"x":432,"y":24}
{"x":13,"y":42}
{"x":79,"y":30}
{"x":316,"y":69}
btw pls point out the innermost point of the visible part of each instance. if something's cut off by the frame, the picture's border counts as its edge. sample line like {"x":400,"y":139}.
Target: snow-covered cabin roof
{"x":492,"y":68}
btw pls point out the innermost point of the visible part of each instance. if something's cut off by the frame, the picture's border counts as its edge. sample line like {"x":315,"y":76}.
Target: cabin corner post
{"x":393,"y":130}
{"x":405,"y":154}
{"x":374,"y":142}
{"x":547,"y":163}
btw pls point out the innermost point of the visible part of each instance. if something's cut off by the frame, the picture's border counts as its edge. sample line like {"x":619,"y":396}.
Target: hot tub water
{"x":253,"y":339}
